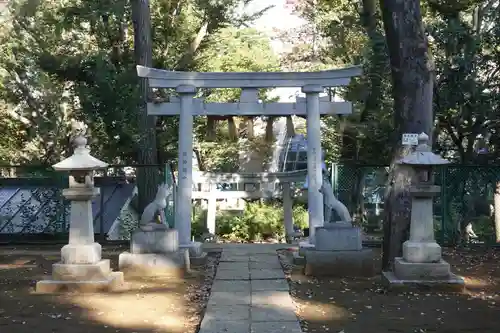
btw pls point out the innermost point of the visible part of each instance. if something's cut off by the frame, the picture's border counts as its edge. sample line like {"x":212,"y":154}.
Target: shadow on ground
{"x":361,"y":305}
{"x":161,"y":304}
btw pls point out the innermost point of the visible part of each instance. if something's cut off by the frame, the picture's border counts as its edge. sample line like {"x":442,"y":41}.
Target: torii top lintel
{"x":159,"y":78}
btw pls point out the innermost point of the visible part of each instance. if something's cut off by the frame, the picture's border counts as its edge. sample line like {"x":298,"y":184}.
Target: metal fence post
{"x":444,"y":204}
{"x":169,"y":210}
{"x":61,"y":222}
{"x":102,"y":234}
{"x":334,"y":179}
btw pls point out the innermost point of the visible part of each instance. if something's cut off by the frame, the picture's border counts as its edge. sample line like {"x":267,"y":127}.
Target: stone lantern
{"x":81,"y":266}
{"x":421,"y":262}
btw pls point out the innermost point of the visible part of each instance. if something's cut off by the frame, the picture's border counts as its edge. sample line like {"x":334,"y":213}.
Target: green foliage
{"x":484,"y":227}
{"x":300,"y":216}
{"x":259,"y":221}
{"x":235,"y":50}
{"x":75,"y":59}
{"x":198,"y":221}
{"x":12,"y":142}
{"x":231,"y":50}
{"x":465,"y":48}
{"x":337,"y":33}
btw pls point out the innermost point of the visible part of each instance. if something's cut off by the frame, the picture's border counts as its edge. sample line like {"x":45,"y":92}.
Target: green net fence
{"x":467,"y":196}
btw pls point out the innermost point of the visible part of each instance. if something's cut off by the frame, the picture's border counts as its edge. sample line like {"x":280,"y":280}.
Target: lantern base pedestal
{"x":82,"y":278}
{"x":81,"y":253}
{"x":422,"y":275}
{"x":417,"y":252}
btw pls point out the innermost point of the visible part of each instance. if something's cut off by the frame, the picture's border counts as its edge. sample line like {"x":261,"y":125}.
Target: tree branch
{"x":188,"y":56}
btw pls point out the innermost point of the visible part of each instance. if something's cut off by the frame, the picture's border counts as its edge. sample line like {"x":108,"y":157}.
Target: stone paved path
{"x":250,"y":293}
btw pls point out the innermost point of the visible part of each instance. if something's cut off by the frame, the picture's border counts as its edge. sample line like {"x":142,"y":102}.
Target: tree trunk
{"x":250,"y":129}
{"x":231,"y":126}
{"x":148,"y":174}
{"x":290,"y":128}
{"x":269,"y":130}
{"x":413,"y":81}
{"x":497,"y":212}
{"x":211,"y":129}
{"x":357,"y":198}
{"x":187,"y":57}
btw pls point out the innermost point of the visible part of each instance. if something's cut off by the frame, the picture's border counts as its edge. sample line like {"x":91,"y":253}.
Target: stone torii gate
{"x":186,"y":105}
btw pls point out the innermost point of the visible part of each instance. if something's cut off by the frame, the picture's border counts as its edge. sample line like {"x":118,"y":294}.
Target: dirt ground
{"x":362,"y":305}
{"x":172,"y":305}
{"x":166,"y":304}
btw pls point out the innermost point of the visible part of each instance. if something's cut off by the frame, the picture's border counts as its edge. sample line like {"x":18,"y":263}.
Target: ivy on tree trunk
{"x":413,"y":81}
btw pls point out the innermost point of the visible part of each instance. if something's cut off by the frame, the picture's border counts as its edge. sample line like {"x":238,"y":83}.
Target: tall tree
{"x":148,"y":174}
{"x":413,"y":81}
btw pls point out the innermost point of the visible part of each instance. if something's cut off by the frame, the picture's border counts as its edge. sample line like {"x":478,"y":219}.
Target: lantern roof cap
{"x":423,"y":155}
{"x":80,"y":160}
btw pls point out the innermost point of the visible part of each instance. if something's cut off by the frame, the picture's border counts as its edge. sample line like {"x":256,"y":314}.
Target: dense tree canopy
{"x":75,"y":59}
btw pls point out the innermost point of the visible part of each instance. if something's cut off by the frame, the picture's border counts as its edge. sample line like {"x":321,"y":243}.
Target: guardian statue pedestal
{"x":338,"y":249}
{"x":154,"y":248}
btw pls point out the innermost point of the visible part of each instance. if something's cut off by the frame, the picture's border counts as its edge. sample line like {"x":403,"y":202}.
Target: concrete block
{"x":229,"y":298}
{"x":195,"y":249}
{"x":271,"y":259}
{"x":263,"y":265}
{"x":81,"y":253}
{"x":421,"y":251}
{"x":152,"y":263}
{"x":200,"y":260}
{"x":304,"y":246}
{"x":81,"y":272}
{"x":232,"y":266}
{"x":233,"y":274}
{"x":267,"y":313}
{"x":269,"y":285}
{"x":279,"y":298}
{"x":231,"y":286}
{"x":276,"y":327}
{"x":154,"y":241}
{"x":196,"y":255}
{"x":209,"y":325}
{"x":224,"y":312}
{"x":421,"y":271}
{"x":230,"y":257}
{"x":266,"y":274}
{"x":340,"y":263}
{"x":338,"y":237}
{"x":298,"y":259}
{"x":114,"y":281}
{"x":453,"y":283}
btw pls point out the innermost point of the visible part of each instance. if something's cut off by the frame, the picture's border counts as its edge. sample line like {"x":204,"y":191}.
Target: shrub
{"x":300,"y":216}
{"x":484,"y":227}
{"x":198,"y":221}
{"x":259,"y":221}
{"x":231,"y":226}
